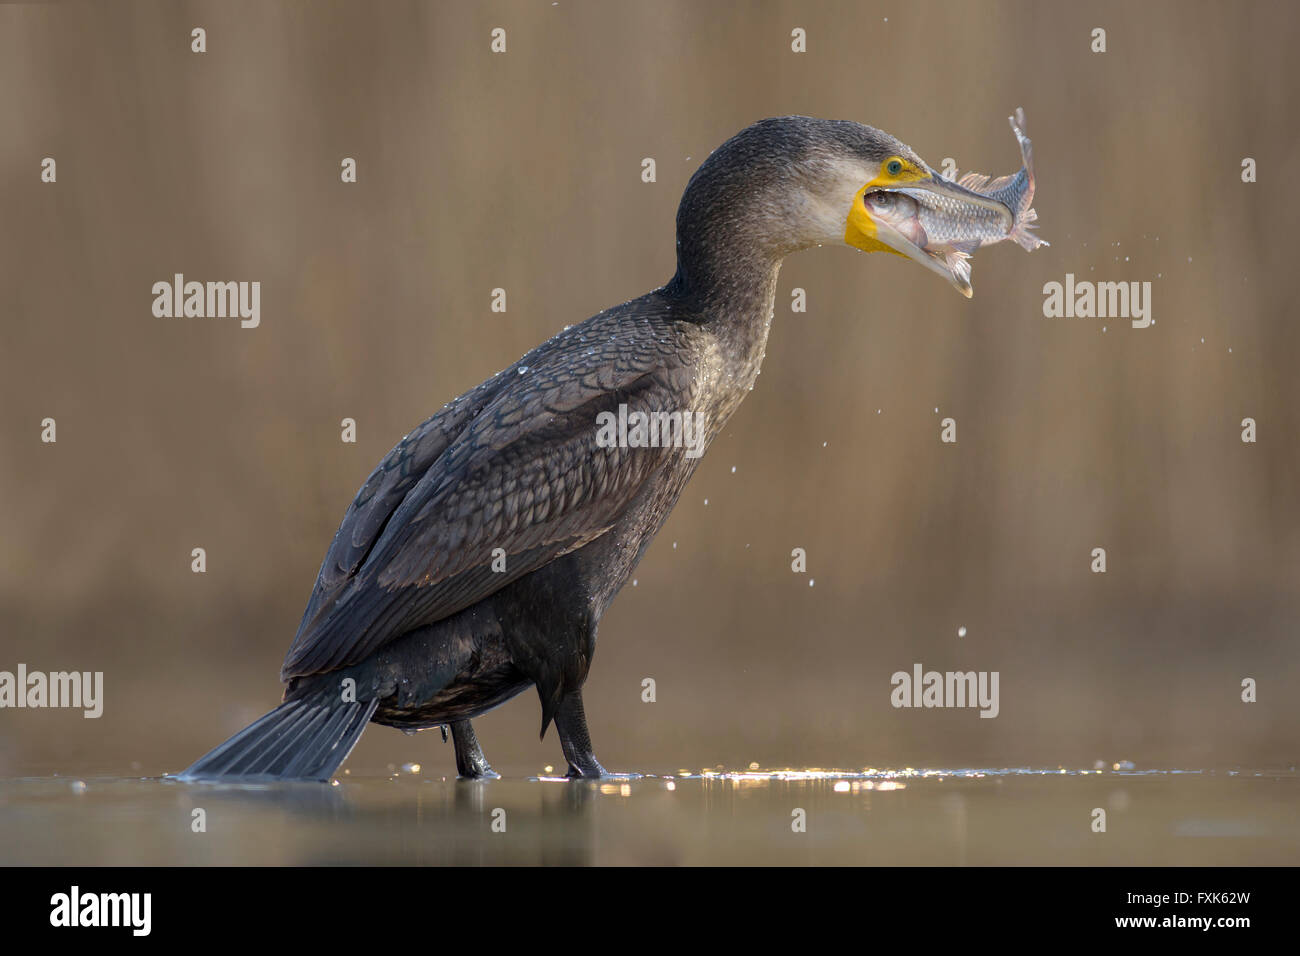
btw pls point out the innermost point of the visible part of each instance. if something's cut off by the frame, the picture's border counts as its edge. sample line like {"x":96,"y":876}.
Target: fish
{"x":950,"y":230}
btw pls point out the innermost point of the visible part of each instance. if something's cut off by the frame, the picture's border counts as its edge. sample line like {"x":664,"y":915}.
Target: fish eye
{"x":881,"y":199}
{"x":894,"y":167}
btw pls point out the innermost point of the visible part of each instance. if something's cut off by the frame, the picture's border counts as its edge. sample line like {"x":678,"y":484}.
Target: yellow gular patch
{"x":860,"y":228}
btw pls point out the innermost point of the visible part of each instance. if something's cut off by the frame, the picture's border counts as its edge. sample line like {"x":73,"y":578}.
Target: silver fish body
{"x":947,"y":220}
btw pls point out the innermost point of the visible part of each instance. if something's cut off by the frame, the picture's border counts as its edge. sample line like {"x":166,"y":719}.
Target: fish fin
{"x":1000,"y":183}
{"x":966,"y":248}
{"x":985,"y":184}
{"x":1024,"y":235}
{"x":958,"y":263}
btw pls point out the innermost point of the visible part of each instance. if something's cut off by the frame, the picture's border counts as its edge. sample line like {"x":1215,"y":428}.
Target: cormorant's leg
{"x":571,"y":725}
{"x":470,"y":761}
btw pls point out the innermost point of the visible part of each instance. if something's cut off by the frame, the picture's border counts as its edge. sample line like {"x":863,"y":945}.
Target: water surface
{"x":874,"y":817}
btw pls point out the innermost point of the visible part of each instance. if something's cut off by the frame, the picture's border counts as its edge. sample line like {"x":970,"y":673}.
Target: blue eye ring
{"x":894,"y":167}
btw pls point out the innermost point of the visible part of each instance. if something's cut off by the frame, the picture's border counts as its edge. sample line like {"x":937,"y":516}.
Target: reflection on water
{"x":885,"y":817}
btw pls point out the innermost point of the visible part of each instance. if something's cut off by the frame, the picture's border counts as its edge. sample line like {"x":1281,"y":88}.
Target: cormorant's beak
{"x":906,"y":236}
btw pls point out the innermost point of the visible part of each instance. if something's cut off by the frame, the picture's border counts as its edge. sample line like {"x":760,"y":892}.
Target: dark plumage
{"x":407,"y":604}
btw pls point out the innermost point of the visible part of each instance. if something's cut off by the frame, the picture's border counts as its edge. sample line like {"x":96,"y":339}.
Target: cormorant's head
{"x":794,"y":182}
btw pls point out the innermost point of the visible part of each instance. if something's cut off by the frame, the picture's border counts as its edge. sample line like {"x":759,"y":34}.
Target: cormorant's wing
{"x":385,"y":489}
{"x":513,"y":465}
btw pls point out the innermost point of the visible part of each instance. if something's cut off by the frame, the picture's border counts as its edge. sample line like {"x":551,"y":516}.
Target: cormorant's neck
{"x":735,"y":290}
{"x":726,"y":270}
{"x":735,"y":300}
{"x":737,"y":220}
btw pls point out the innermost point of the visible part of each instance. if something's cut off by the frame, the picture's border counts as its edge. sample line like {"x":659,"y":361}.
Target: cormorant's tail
{"x":299,"y":740}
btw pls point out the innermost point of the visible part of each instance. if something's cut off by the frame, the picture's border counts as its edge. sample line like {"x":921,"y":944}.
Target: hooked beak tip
{"x":960,"y":281}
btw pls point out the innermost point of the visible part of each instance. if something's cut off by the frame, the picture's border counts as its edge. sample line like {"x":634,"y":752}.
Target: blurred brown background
{"x":522,"y":171}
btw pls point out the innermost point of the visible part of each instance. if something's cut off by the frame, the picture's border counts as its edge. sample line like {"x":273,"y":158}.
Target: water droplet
{"x":961,"y":631}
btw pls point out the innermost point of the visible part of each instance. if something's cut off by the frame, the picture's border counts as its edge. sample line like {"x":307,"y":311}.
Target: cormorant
{"x":478,"y":558}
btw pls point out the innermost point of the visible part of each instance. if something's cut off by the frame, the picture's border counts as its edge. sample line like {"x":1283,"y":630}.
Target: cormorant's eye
{"x":894,"y":167}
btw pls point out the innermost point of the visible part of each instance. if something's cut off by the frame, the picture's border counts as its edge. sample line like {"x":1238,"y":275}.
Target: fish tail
{"x":1022,"y":232}
{"x":1017,"y":121}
